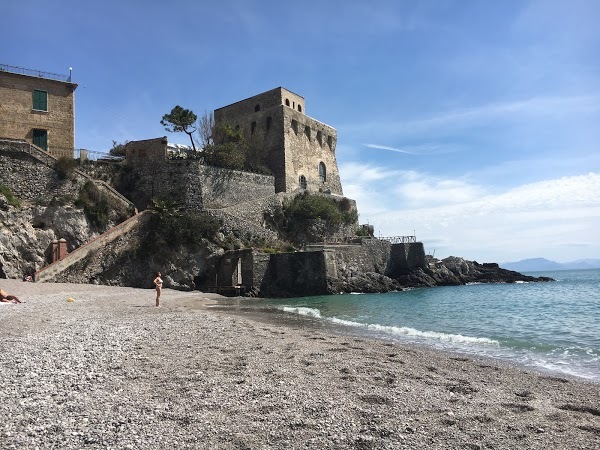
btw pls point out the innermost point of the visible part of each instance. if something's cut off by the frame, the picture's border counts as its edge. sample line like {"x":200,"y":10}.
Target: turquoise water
{"x":549,"y":326}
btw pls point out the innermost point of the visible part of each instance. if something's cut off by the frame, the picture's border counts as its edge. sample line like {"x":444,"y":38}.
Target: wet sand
{"x":109,"y":370}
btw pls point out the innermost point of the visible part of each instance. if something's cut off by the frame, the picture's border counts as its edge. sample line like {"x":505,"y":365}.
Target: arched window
{"x":287,"y":102}
{"x":302,"y":182}
{"x":300,"y":108}
{"x":257,"y":108}
{"x":322,"y":172}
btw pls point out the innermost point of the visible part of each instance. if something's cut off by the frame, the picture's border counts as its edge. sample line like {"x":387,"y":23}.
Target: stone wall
{"x":196,"y":186}
{"x":19,"y":119}
{"x":295,"y":275}
{"x":29,"y":179}
{"x":29,"y":173}
{"x":308,"y":143}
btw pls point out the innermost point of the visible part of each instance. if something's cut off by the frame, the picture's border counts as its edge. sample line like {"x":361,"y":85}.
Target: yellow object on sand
{"x":70,"y":300}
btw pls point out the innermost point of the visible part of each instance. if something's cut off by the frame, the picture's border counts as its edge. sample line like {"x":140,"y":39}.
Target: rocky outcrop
{"x":453,"y":271}
{"x":26,"y":234}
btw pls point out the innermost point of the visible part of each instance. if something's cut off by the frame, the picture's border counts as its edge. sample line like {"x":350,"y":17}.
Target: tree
{"x":205,"y":129}
{"x":118,"y":149}
{"x":180,"y":119}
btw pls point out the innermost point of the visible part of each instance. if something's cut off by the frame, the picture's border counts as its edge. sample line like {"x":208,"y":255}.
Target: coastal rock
{"x":455,"y":271}
{"x":27,"y":232}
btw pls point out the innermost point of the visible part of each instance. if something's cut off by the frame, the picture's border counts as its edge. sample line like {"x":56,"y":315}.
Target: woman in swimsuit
{"x":158,"y":282}
{"x":5,"y":298}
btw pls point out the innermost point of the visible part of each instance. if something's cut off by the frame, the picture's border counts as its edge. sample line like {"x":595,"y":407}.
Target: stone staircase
{"x":49,"y":272}
{"x":45,"y":158}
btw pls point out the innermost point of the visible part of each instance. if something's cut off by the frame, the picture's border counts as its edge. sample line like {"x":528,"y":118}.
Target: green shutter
{"x":40,"y":138}
{"x":40,"y":100}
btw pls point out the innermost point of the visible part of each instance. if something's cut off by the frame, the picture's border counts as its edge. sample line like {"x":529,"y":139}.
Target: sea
{"x":552,"y":327}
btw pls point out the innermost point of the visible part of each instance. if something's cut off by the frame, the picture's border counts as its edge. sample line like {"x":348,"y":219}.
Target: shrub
{"x":10,"y":197}
{"x":170,"y":228}
{"x":305,"y":207}
{"x":96,"y":206}
{"x":65,"y":166}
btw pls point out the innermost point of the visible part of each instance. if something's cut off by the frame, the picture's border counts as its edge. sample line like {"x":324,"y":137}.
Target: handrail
{"x":400,"y":239}
{"x":35,"y":73}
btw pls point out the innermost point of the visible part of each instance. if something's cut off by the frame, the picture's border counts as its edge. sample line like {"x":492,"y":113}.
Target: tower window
{"x":320,"y":138}
{"x":295,"y":126}
{"x":252,"y":127}
{"x":40,"y":100}
{"x":257,"y":108}
{"x":268,"y":123}
{"x":322,"y":172}
{"x":300,"y":108}
{"x":307,"y":131}
{"x":330,"y":141}
{"x":287,"y":102}
{"x":302,"y":182}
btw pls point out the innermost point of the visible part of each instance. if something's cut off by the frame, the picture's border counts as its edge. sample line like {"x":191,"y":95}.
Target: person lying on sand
{"x":5,"y":298}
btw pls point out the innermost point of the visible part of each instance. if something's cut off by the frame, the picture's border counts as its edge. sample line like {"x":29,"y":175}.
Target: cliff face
{"x":26,"y":234}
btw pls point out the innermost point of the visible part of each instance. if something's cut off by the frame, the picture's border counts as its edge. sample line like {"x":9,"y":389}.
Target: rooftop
{"x":36,"y":73}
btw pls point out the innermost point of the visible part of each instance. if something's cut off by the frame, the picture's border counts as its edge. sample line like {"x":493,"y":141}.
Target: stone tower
{"x":300,"y":151}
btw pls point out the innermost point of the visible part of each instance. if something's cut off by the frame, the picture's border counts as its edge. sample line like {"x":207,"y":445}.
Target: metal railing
{"x":35,"y":73}
{"x":400,"y":239}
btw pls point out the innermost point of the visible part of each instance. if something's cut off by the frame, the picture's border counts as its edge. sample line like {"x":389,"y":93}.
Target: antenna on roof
{"x":70,"y":72}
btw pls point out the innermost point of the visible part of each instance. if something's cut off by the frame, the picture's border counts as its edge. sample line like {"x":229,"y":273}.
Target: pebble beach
{"x":110,"y":370}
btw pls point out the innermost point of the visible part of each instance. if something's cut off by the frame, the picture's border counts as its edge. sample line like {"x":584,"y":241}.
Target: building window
{"x":320,"y":138}
{"x":252,"y":128}
{"x":40,"y":138}
{"x":268,"y":123}
{"x":40,"y":100}
{"x":302,"y":182}
{"x":307,"y":131}
{"x":257,"y":108}
{"x":295,"y":126}
{"x":299,"y":108}
{"x":322,"y":172}
{"x":330,"y":141}
{"x":287,"y":102}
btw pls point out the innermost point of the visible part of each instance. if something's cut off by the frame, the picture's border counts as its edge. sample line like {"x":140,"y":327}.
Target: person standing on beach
{"x":158,"y":282}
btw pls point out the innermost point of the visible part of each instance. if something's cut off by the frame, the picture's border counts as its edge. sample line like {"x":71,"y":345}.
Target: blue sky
{"x":475,"y":124}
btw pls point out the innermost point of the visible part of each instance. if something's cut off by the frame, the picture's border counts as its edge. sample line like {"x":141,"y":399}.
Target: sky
{"x":472,"y":124}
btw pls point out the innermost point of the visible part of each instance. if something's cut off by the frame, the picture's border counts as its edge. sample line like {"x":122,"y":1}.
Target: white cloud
{"x":557,"y":218}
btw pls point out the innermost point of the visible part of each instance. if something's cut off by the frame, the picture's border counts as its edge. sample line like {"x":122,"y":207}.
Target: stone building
{"x":300,"y":151}
{"x":38,"y":107}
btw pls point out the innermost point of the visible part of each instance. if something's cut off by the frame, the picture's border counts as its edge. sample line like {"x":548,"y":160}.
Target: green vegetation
{"x":180,"y":120}
{"x":96,"y":205}
{"x":305,"y":207}
{"x":169,"y":228}
{"x":10,"y":197}
{"x":230,"y":149}
{"x":65,"y":167}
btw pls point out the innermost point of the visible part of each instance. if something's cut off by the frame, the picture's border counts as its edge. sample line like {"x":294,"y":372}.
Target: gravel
{"x":109,"y":370}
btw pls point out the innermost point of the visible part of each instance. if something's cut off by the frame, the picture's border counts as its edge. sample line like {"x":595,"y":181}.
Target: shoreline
{"x":111,"y":370}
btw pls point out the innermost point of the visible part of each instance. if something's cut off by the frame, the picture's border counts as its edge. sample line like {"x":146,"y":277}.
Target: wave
{"x":397,"y":331}
{"x":311,"y":312}
{"x":412,"y":332}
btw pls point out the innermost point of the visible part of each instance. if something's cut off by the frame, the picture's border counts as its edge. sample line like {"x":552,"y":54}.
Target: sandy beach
{"x":109,"y":370}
